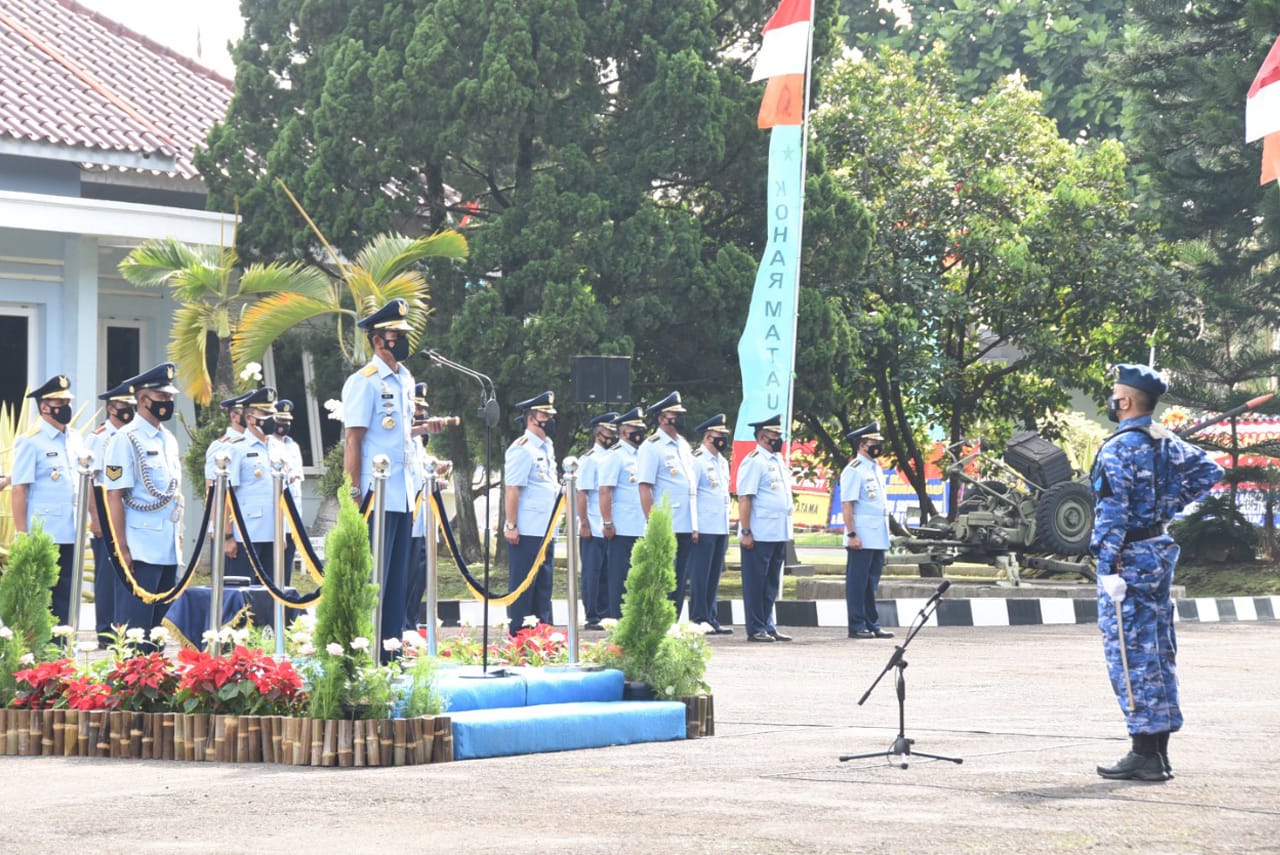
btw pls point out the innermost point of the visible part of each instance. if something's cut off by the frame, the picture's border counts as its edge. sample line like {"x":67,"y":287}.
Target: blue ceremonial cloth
{"x":188,"y":617}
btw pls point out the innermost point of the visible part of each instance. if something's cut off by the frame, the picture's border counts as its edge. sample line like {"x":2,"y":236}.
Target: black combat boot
{"x":1142,"y":763}
{"x":1162,"y":746}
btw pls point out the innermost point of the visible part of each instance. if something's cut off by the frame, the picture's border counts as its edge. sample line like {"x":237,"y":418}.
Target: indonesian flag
{"x":783,"y":61}
{"x":1262,"y":113}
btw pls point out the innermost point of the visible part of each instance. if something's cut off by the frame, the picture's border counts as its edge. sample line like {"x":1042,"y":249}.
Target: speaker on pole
{"x":601,"y":379}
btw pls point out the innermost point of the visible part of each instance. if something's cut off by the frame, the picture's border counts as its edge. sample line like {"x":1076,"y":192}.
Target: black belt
{"x":1137,"y":534}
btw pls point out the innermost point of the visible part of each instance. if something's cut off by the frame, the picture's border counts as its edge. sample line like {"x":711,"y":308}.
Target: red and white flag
{"x":784,"y":60}
{"x":1262,"y":113}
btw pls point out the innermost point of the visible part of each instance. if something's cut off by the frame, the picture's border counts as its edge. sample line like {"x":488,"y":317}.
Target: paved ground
{"x":1027,"y":708}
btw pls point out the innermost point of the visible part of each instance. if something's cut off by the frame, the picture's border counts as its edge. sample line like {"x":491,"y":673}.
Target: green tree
{"x":1007,"y":267}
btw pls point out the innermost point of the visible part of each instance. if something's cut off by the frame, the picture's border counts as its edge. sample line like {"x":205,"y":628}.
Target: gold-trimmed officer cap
{"x":58,"y":386}
{"x":122,"y":393}
{"x":715,"y":424}
{"x":262,"y":399}
{"x":234,"y":403}
{"x":544,"y":403}
{"x":609,"y":421}
{"x":284,"y":410}
{"x":871,"y":431}
{"x":774,"y":422}
{"x":158,"y":379}
{"x":393,"y":316}
{"x":633,"y":417}
{"x":669,"y":404}
{"x":420,"y":395}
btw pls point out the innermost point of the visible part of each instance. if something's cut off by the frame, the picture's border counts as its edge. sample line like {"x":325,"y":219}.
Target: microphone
{"x":937,"y":595}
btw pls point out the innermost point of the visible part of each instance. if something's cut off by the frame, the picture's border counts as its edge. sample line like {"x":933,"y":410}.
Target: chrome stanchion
{"x":218,"y":558}
{"x":277,"y":548}
{"x":85,"y":461}
{"x":571,"y":549}
{"x":381,"y":465}
{"x":432,"y":532}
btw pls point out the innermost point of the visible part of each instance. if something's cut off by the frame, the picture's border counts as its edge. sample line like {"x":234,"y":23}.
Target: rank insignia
{"x":114,"y":472}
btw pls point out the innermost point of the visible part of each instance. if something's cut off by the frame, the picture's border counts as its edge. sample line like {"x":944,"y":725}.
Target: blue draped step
{"x":536,"y":710}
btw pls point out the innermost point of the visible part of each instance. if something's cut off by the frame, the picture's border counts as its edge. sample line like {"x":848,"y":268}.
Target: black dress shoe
{"x":862,"y":633}
{"x":779,"y":636}
{"x":593,"y":626}
{"x":881,"y":633}
{"x":722,"y":630}
{"x":1168,"y":769}
{"x":760,"y":636}
{"x":1136,"y":767}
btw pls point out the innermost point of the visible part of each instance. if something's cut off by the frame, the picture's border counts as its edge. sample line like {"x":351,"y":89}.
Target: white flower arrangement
{"x":5,"y":633}
{"x":251,"y":371}
{"x":159,"y":635}
{"x":334,"y":406}
{"x":27,"y":659}
{"x":359,"y":643}
{"x":530,"y":621}
{"x":135,"y":635}
{"x":306,"y":649}
{"x":391,"y":645}
{"x":62,"y":631}
{"x":333,"y":648}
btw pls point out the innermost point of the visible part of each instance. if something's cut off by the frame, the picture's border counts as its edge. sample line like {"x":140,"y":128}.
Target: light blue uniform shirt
{"x":531,"y":465}
{"x":152,"y":536}
{"x":420,"y":512}
{"x":862,"y":484}
{"x":618,"y":469}
{"x":666,"y":462}
{"x":250,"y":476}
{"x":45,"y":462}
{"x":589,"y":483}
{"x":713,"y":491}
{"x":286,"y":450}
{"x":97,"y":443}
{"x":210,"y":471}
{"x":765,"y":477}
{"x":381,"y":401}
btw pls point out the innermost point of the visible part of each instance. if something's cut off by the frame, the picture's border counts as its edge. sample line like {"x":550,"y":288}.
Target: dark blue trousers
{"x":395,"y":573}
{"x":417,"y":586}
{"x":61,"y":604}
{"x":861,"y":581}
{"x":684,"y":549}
{"x":618,"y":562}
{"x":536,"y":600}
{"x":105,"y":585}
{"x":761,"y":582}
{"x":706,"y":563}
{"x":595,"y":578}
{"x":133,"y":612}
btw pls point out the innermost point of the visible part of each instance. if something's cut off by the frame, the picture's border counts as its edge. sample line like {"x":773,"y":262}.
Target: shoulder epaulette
{"x":521,"y":441}
{"x":589,"y":452}
{"x":99,"y":429}
{"x":232,"y":440}
{"x":697,"y":452}
{"x":753,"y":453}
{"x":369,"y":370}
{"x":655,"y":437}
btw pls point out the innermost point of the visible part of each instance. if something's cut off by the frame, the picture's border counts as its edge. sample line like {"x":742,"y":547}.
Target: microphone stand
{"x":490,"y":412}
{"x":901,"y":746}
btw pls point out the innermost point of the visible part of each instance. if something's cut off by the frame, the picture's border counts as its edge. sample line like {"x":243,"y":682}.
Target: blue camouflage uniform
{"x":1143,"y":475}
{"x":765,"y":477}
{"x":530,"y":466}
{"x":618,"y":472}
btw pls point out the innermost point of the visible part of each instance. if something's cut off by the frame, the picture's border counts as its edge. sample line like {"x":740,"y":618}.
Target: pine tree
{"x":647,"y":610}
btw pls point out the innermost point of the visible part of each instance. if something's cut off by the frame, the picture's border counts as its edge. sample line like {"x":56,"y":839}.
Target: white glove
{"x":1115,"y":586}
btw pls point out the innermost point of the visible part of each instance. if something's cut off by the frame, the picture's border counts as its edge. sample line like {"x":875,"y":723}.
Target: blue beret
{"x":1142,"y":377}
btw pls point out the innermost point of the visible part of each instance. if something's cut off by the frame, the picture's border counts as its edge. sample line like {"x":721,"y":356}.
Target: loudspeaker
{"x":601,"y":379}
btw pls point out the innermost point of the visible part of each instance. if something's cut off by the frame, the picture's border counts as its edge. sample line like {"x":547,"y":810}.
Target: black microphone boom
{"x":937,"y":595}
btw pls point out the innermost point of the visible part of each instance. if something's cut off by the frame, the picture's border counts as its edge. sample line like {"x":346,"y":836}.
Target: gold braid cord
{"x":302,"y":541}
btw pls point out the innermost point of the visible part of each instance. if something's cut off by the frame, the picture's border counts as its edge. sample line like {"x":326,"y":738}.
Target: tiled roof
{"x":69,"y":76}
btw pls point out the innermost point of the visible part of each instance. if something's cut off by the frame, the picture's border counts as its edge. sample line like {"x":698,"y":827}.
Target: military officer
{"x":622,"y":519}
{"x":591,"y":542}
{"x":417,"y":582}
{"x":143,"y":475}
{"x":765,"y":508}
{"x":531,"y":485}
{"x":234,"y":408}
{"x":377,"y":409}
{"x":1143,"y":475}
{"x":286,"y":450}
{"x":120,"y":408}
{"x":45,"y":480}
{"x":666,"y":470}
{"x":866,"y":531}
{"x":250,"y":478}
{"x":706,"y":559}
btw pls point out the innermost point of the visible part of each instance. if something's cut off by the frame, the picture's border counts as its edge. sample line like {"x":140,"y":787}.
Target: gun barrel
{"x":1247,"y":406}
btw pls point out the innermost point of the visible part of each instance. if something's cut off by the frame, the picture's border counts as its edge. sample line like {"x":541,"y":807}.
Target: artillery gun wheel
{"x":1064,"y":518}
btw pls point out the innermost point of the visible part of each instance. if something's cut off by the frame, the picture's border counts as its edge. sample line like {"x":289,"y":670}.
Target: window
{"x":16,"y":354}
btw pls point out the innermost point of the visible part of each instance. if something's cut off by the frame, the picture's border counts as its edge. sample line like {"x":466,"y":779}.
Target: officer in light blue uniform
{"x":622,"y":518}
{"x":377,"y":409}
{"x":866,"y":531}
{"x":250,"y":478}
{"x":234,"y":408}
{"x":706,"y":559}
{"x":666,"y":470}
{"x":765,"y":509}
{"x":591,"y":542}
{"x":120,"y":407}
{"x":285,"y":450}
{"x":530,"y":487}
{"x":45,"y":480}
{"x":1143,"y":475}
{"x":417,"y":582}
{"x":143,"y":475}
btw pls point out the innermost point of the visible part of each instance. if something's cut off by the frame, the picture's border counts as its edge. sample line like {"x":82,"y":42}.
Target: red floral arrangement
{"x":248,"y":682}
{"x":45,"y":685}
{"x":143,"y":683}
{"x":84,"y":693}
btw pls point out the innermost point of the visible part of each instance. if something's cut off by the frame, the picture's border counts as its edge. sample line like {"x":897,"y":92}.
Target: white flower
{"x":62,"y":631}
{"x":307,"y":622}
{"x":87,"y":646}
{"x":557,"y":636}
{"x":414,"y":639}
{"x":6,"y":633}
{"x":391,"y":645}
{"x":334,"y":406}
{"x":252,"y":371}
{"x":227,"y":635}
{"x":307,"y":649}
{"x":240,"y":636}
{"x":159,"y":635}
{"x":210,"y":636}
{"x":609,"y":623}
{"x":300,"y":638}
{"x":530,"y":620}
{"x":500,"y":623}
{"x":359,"y":643}
{"x":334,"y":648}
{"x":135,"y":634}
{"x":28,"y":659}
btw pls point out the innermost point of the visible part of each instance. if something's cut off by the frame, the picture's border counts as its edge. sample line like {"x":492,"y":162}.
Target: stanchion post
{"x":218,"y":557}
{"x":571,"y":558}
{"x":85,"y":461}
{"x":432,"y":532}
{"x":277,"y":548}
{"x":381,"y":465}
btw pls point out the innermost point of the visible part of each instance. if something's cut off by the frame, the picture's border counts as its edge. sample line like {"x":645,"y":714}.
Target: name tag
{"x":153,"y":454}
{"x":51,"y":454}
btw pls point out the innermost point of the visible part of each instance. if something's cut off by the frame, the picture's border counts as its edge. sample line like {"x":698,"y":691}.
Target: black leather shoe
{"x":862,"y":633}
{"x":761,"y":637}
{"x":1168,"y":769}
{"x":722,"y":630}
{"x":1136,"y":767}
{"x":594,"y":627}
{"x":779,"y":636}
{"x":882,"y":633}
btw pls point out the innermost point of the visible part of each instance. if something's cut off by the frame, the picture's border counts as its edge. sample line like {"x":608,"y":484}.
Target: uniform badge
{"x":388,"y":422}
{"x":114,"y":472}
{"x":55,"y":475}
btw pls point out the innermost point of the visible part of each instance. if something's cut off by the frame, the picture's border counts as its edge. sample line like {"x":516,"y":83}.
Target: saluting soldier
{"x":45,"y":480}
{"x":377,"y":409}
{"x":529,"y":476}
{"x":622,"y":519}
{"x":706,"y":560}
{"x":866,"y":531}
{"x":143,"y":475}
{"x":591,"y":542}
{"x":765,"y":508}
{"x":666,"y":470}
{"x":120,"y":407}
{"x":249,"y":475}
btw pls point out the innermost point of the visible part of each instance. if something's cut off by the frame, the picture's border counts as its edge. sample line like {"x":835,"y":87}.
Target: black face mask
{"x":608,"y":440}
{"x":61,"y":415}
{"x":162,"y":410}
{"x":774,"y":444}
{"x":283,"y":428}
{"x":633,"y":437}
{"x":677,"y":422}
{"x":874,"y":451}
{"x":548,"y":427}
{"x":1113,"y":410}
{"x":719,"y":443}
{"x":124,"y":414}
{"x":267,"y":426}
{"x":399,"y":349}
